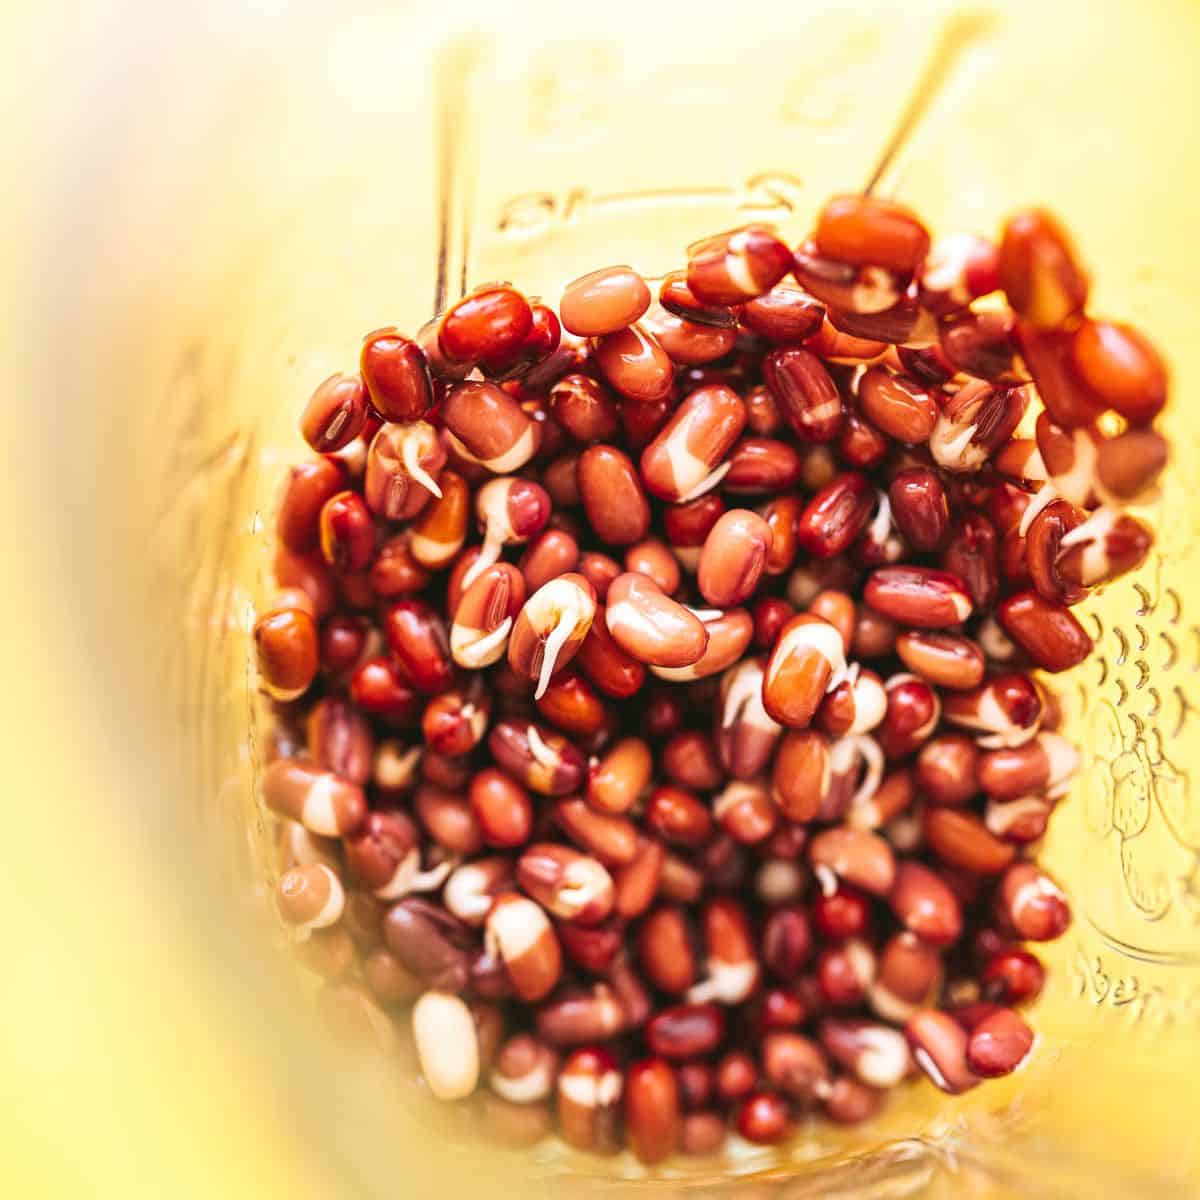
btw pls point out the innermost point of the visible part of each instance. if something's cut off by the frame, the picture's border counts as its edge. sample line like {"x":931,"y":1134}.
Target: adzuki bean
{"x":652,"y":707}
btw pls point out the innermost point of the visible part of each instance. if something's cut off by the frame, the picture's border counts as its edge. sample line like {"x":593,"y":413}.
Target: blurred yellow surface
{"x":205,"y":207}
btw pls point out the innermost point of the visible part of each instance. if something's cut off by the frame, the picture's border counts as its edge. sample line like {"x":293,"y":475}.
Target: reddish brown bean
{"x":654,"y":559}
{"x":961,"y":839}
{"x":638,"y":882}
{"x":807,"y":396}
{"x":541,"y":759}
{"x":899,"y":406}
{"x":439,"y":532}
{"x":305,"y":492}
{"x":685,"y":458}
{"x":802,"y":775}
{"x":920,"y":508}
{"x":335,"y":414}
{"x":585,"y":408}
{"x":378,"y":687}
{"x":676,"y":297}
{"x":862,"y":859}
{"x":913,"y":712}
{"x":551,"y":628}
{"x":484,"y":617}
{"x":745,"y":811}
{"x":569,"y":885}
{"x":678,"y":817}
{"x":502,"y":807}
{"x":909,"y":974}
{"x":417,"y":638}
{"x":921,"y":597}
{"x":429,"y":943}
{"x":485,"y":425}
{"x":688,"y":343}
{"x":603,"y":301}
{"x":318,"y":799}
{"x":1039,"y":270}
{"x":651,"y":627}
{"x":971,"y":554}
{"x":552,"y":553}
{"x":999,"y":1044}
{"x":339,"y":739}
{"x":617,"y":781}
{"x":1031,"y":904}
{"x":922,"y":901}
{"x":1049,"y":633}
{"x":685,"y":1031}
{"x":1120,"y":368}
{"x":394,"y":571}
{"x":651,"y":1110}
{"x":836,"y":515}
{"x":737,"y":266}
{"x":577,"y":1016}
{"x":589,"y":1097}
{"x":808,"y":657}
{"x":947,"y":769}
{"x":733,"y":558}
{"x":876,"y":1054}
{"x":634,"y":364}
{"x":487,"y":327}
{"x":939,"y":1047}
{"x":786,"y":941}
{"x":286,"y":652}
{"x":1046,"y":764}
{"x":784,"y":314}
{"x":848,"y":288}
{"x":943,"y":659}
{"x":611,"y":838}
{"x":869,"y":231}
{"x":612,"y":494}
{"x":396,"y":376}
{"x":1012,"y":977}
{"x":520,"y":935}
{"x":759,"y":466}
{"x":763,"y":1118}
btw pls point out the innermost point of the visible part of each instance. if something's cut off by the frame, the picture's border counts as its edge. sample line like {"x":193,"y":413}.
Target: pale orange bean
{"x":652,"y":627}
{"x":733,"y":558}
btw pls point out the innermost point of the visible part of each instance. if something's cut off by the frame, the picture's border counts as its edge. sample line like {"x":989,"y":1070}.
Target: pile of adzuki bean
{"x":655,"y":737}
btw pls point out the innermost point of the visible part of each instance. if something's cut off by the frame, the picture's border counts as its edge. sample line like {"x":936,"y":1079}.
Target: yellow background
{"x":204,"y":206}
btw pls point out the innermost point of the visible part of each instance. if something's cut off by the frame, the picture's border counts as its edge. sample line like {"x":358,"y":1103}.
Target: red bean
{"x":868,"y":230}
{"x":396,"y":376}
{"x":604,"y":301}
{"x":651,"y":627}
{"x":733,"y":558}
{"x":807,"y":397}
{"x":999,"y":1044}
{"x":836,"y":515}
{"x":763,"y":1118}
{"x":784,"y":314}
{"x":659,"y":897}
{"x":336,"y":413}
{"x":1039,"y":271}
{"x":634,"y":364}
{"x":285,"y":645}
{"x":1049,"y":633}
{"x":1121,"y":369}
{"x":612,"y":494}
{"x":737,"y":266}
{"x":683,"y":459}
{"x":488,"y":326}
{"x":918,"y":596}
{"x":651,"y":1110}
